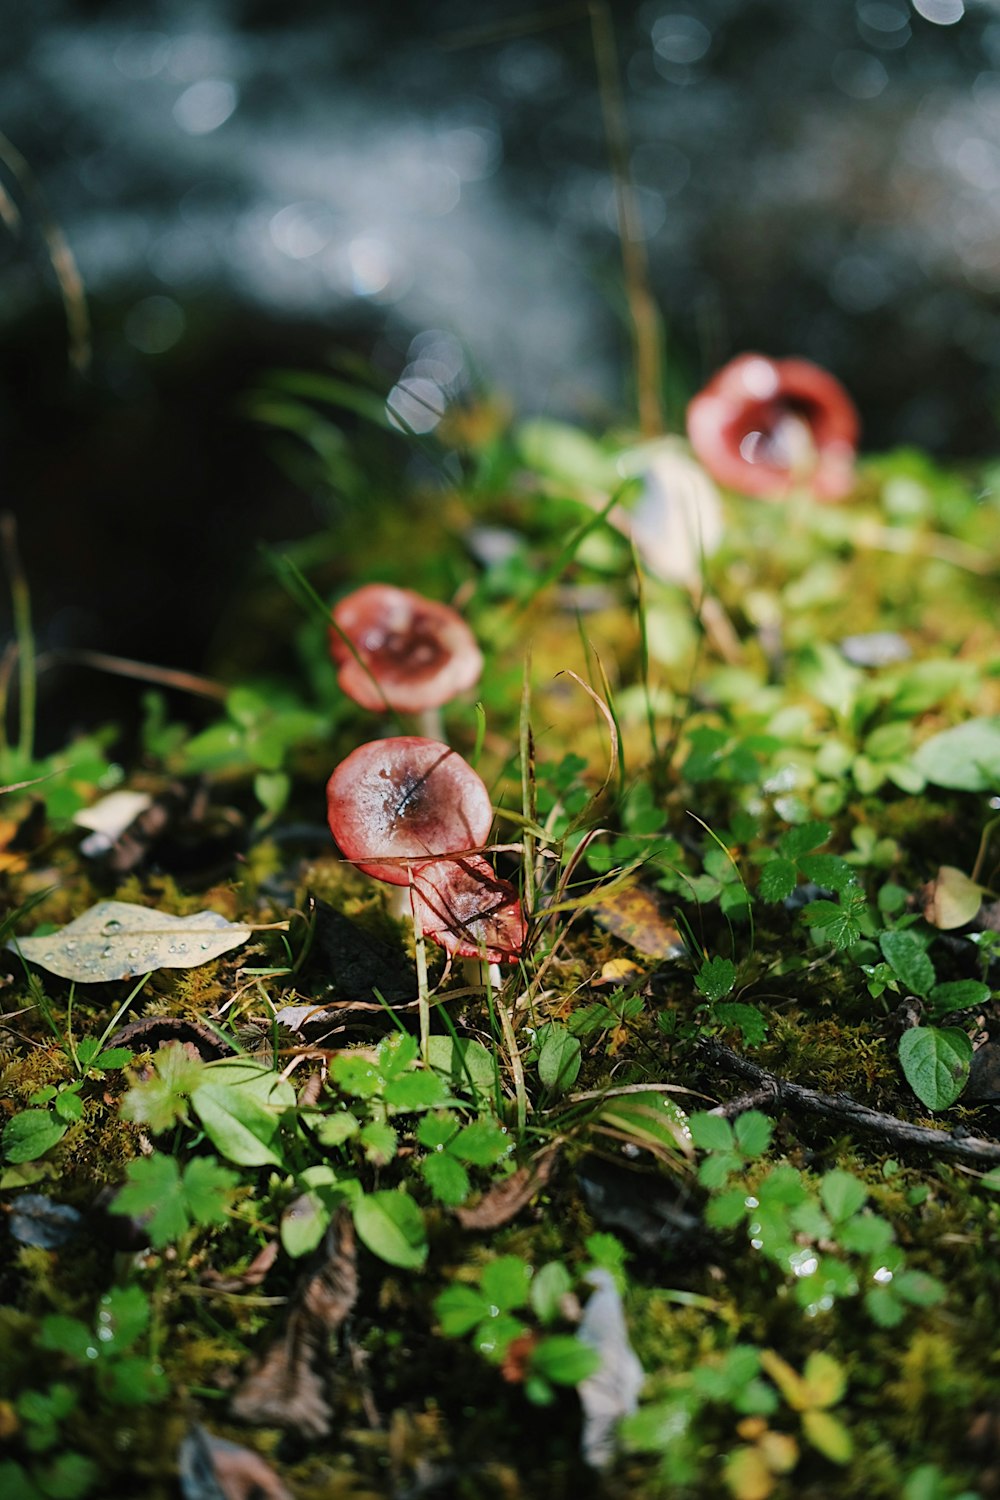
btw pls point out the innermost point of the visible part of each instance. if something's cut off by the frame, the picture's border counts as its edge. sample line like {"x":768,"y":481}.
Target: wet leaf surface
{"x":117,"y":939}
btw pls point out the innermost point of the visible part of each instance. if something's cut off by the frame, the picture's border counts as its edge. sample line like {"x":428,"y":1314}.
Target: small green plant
{"x":821,"y":1233}
{"x":512,"y":1314}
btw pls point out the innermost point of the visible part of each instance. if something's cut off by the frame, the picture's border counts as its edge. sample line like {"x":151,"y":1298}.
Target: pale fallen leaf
{"x":612,"y":1392}
{"x":951,"y":899}
{"x":109,"y":818}
{"x":116,"y":939}
{"x":212,"y":1468}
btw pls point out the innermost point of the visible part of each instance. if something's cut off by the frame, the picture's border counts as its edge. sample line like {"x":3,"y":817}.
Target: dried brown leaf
{"x":505,"y":1201}
{"x":288,"y":1387}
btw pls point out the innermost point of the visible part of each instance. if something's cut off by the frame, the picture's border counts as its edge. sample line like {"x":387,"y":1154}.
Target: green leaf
{"x":716,"y":978}
{"x":208,"y":1190}
{"x":803,"y":838}
{"x":415,"y":1091}
{"x":548,"y":1288}
{"x":437,"y":1130}
{"x":464,"y":1063}
{"x":153,"y":1193}
{"x":839,"y":925}
{"x":559,"y":1057}
{"x":936,"y":1062}
{"x":649,"y":1119}
{"x":777,"y":881}
{"x":746,"y":1018}
{"x":711,"y":1132}
{"x":907,"y":957}
{"x":505,"y":1282}
{"x":66,"y":1336}
{"x":958,"y":994}
{"x":379,"y":1141}
{"x":447,"y":1178}
{"x":392,"y":1227}
{"x":830,"y":871}
{"x":966,"y":758}
{"x":842,"y":1194}
{"x":304,"y":1223}
{"x":161,"y":1101}
{"x":753,"y":1132}
{"x":240,"y":1106}
{"x":866,"y":1234}
{"x":397,"y":1053}
{"x":356,"y":1075}
{"x":482,"y":1143}
{"x":459,"y":1309}
{"x":563,"y":1359}
{"x":28,"y":1135}
{"x":918,"y":1288}
{"x":336,"y":1128}
{"x":122,"y":1316}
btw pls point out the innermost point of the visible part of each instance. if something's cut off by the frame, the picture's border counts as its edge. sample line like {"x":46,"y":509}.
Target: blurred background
{"x":246,"y":186}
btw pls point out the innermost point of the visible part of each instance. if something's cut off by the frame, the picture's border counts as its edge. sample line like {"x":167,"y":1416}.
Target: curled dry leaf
{"x":117,"y":939}
{"x":287,"y":1388}
{"x":505,"y":1201}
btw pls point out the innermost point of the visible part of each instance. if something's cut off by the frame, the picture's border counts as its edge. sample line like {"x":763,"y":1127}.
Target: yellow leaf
{"x":790,"y":1384}
{"x":780,"y":1450}
{"x":825,"y":1380}
{"x":828,"y":1436}
{"x":747,"y":1475}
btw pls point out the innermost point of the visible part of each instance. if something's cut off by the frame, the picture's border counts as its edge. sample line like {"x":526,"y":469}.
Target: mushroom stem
{"x":429,"y":724}
{"x":481,"y":976}
{"x":397,"y":901}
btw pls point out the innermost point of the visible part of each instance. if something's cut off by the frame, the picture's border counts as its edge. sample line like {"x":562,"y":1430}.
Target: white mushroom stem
{"x":398,"y":902}
{"x":478,"y":975}
{"x":430,"y":724}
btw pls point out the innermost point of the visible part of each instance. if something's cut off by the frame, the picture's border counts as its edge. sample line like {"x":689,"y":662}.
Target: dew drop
{"x":113,"y":925}
{"x":204,"y":946}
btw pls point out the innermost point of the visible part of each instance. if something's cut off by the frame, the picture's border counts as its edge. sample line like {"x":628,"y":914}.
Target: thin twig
{"x":124,"y":666}
{"x":841,"y":1107}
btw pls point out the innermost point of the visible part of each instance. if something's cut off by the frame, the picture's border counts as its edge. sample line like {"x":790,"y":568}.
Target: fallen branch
{"x":771,"y":1089}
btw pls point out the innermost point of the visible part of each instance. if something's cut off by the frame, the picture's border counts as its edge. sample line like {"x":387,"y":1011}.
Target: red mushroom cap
{"x":765,"y":425}
{"x":405,"y":798}
{"x":463,"y":905}
{"x":414,"y":652}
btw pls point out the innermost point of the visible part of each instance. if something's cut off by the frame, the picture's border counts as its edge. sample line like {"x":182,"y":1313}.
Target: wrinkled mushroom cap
{"x":405,"y":798}
{"x":764,"y":426}
{"x":465,"y":907}
{"x":415,"y":653}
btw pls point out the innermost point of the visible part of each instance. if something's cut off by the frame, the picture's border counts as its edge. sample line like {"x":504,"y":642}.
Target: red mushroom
{"x":764,"y":426}
{"x":466,"y":908}
{"x":406,"y":652}
{"x":398,"y":800}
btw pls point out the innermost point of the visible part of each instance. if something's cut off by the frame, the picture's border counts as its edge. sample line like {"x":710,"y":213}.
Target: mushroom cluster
{"x":411,"y":812}
{"x":767,"y":426}
{"x":395,"y":649}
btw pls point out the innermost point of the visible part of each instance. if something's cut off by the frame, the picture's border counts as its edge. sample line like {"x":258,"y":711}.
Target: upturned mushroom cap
{"x":463,"y":905}
{"x":764,"y":426}
{"x":405,"y":798}
{"x":415,"y":653}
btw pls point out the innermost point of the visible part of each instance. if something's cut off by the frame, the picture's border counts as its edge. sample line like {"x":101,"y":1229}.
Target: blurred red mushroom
{"x":397,"y":800}
{"x":405,"y":652}
{"x":766,"y":426}
{"x":466,"y":908}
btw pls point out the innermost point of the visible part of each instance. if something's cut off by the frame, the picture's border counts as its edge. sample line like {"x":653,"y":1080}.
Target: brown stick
{"x":841,"y":1107}
{"x":123,"y":666}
